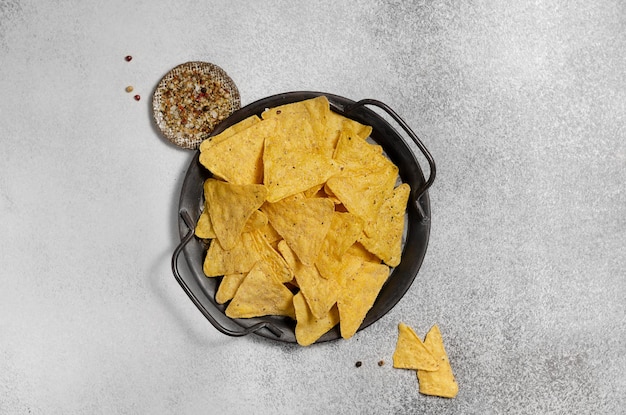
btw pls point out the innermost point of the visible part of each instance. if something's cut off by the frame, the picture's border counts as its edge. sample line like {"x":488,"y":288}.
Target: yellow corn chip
{"x":204,"y":228}
{"x":382,"y":235}
{"x":310,"y":328}
{"x":230,"y":206}
{"x":313,"y":112}
{"x":270,"y":234}
{"x":337,"y":123}
{"x":257,"y":220}
{"x":359,"y":251}
{"x":411,"y":353}
{"x":344,"y":230}
{"x":320,"y":294}
{"x":228,"y":287}
{"x":260,"y":294}
{"x":233,"y":129}
{"x":280,"y":269}
{"x":241,"y":258}
{"x":354,"y":154}
{"x":441,"y":382}
{"x":358,"y":293}
{"x":298,"y":155}
{"x":238,"y":159}
{"x":364,"y":192}
{"x":302,"y":223}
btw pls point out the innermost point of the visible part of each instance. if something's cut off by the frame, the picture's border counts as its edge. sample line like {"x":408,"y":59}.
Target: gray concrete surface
{"x":522,"y":104}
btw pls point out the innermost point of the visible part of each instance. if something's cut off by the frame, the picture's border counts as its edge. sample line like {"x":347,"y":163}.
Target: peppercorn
{"x":358,"y":364}
{"x":137,"y":97}
{"x":128,"y":58}
{"x":129,"y":88}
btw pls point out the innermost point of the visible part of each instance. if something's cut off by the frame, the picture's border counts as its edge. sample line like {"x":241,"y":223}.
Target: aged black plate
{"x":201,"y":289}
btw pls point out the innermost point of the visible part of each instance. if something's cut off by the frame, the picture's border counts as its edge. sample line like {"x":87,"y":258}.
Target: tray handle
{"x":409,"y":132}
{"x":234,"y":333}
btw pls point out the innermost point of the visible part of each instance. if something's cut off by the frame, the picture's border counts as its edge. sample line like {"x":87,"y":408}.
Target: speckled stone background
{"x":522,"y":104}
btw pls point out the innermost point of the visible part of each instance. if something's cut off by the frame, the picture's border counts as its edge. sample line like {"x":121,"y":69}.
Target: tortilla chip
{"x":411,"y":353}
{"x":230,"y":206}
{"x":310,"y":328}
{"x":204,"y":228}
{"x":298,"y":155}
{"x":358,"y":294}
{"x":354,"y":154}
{"x":238,"y":159}
{"x":269,"y":233}
{"x":320,"y":294}
{"x":228,"y":287}
{"x":241,"y":258}
{"x":258,"y":220}
{"x":280,"y":269}
{"x":313,"y":111}
{"x":302,"y":223}
{"x":233,"y":129}
{"x":337,"y":123}
{"x":260,"y":294}
{"x":359,"y":251}
{"x":344,"y":230}
{"x":441,"y":382}
{"x":382,"y":235}
{"x":364,"y":192}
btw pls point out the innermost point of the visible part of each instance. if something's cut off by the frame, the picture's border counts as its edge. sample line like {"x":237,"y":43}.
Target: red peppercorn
{"x":137,"y":97}
{"x":128,"y":58}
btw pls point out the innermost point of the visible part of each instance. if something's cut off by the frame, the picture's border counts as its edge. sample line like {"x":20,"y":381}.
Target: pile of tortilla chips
{"x":428,"y":358}
{"x":304,"y":215}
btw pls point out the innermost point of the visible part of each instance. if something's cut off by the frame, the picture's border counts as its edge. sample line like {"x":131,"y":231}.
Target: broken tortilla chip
{"x":440,"y":382}
{"x":411,"y":353}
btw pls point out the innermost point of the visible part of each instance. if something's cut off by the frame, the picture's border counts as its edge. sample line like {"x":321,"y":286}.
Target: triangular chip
{"x":204,"y":228}
{"x":337,"y":123}
{"x":359,"y":251}
{"x":280,"y":269}
{"x":354,"y":154}
{"x":260,"y":294}
{"x":411,"y":353}
{"x":313,"y":112}
{"x":258,"y":220}
{"x":364,"y":192}
{"x":238,"y":159}
{"x":310,"y":328}
{"x":382,"y":235}
{"x":441,"y":382}
{"x":233,"y":129}
{"x":320,"y":293}
{"x":230,"y":206}
{"x":228,"y":287}
{"x":241,"y":258}
{"x":302,"y":223}
{"x":298,"y":155}
{"x":358,"y":294}
{"x":344,"y":230}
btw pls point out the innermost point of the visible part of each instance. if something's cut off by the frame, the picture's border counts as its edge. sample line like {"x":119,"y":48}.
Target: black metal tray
{"x":201,"y":290}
